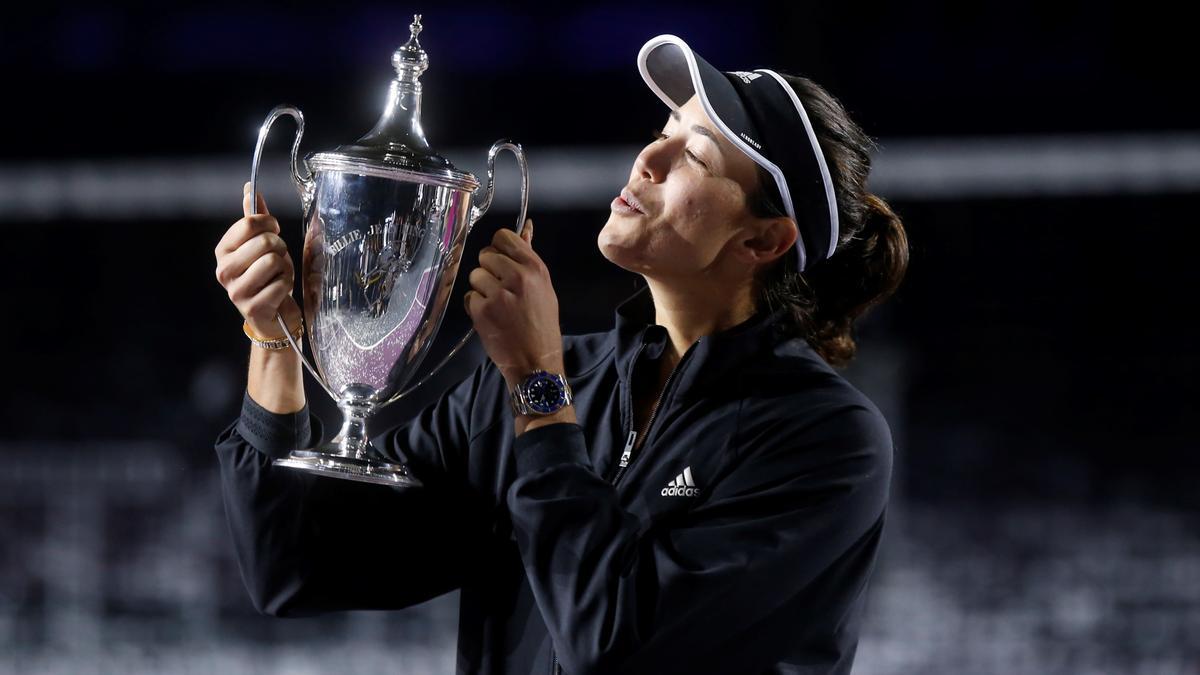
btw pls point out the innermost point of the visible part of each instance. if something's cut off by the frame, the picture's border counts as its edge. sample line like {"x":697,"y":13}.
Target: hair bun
{"x":858,"y":278}
{"x":880,"y":218}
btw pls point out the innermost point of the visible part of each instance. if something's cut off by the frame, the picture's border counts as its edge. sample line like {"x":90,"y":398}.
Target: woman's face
{"x":684,"y":209}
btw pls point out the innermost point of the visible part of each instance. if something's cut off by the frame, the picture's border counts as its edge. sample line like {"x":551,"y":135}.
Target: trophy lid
{"x":396,"y":147}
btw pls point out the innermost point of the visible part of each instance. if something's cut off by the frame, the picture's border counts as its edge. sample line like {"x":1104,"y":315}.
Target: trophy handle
{"x":489,"y":187}
{"x":477,"y":211}
{"x":305,"y":185}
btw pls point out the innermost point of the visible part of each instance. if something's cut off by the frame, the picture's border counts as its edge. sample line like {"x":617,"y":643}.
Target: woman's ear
{"x":768,"y":239}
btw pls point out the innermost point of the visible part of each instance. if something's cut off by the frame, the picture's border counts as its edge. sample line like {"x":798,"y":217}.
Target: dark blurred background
{"x":1038,"y":366}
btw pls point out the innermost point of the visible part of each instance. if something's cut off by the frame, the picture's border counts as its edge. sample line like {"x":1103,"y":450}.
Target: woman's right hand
{"x":256,"y":270}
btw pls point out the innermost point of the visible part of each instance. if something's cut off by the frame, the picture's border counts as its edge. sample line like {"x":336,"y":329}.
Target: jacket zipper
{"x":631,"y":440}
{"x":630,"y":445}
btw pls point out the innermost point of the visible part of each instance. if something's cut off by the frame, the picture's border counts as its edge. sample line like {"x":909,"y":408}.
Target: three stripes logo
{"x":682,"y":486}
{"x":745,"y":76}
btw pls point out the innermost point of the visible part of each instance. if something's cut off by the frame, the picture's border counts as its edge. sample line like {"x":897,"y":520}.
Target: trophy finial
{"x":410,"y":60}
{"x":400,"y":125}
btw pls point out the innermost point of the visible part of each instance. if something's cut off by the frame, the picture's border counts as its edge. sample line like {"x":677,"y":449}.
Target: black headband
{"x":762,"y":116}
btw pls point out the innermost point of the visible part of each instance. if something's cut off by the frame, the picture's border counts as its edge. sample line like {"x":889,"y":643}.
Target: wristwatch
{"x":540,"y":393}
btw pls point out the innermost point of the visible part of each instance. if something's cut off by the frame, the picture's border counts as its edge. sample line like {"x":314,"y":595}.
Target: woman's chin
{"x":620,"y":251}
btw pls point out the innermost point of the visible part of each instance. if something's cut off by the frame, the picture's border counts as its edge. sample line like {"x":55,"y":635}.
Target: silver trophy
{"x":385,"y":219}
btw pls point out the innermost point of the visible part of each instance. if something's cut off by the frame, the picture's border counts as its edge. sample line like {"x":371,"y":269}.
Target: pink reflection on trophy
{"x":449,"y":233}
{"x":346,"y":361}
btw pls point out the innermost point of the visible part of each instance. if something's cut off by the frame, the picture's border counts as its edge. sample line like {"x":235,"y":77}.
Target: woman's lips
{"x":621,"y":206}
{"x":625,"y":203}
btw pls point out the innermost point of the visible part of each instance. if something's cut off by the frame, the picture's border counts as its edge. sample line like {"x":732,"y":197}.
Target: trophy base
{"x":363,"y":470}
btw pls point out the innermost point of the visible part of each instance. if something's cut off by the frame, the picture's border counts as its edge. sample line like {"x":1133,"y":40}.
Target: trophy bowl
{"x":385,"y":221}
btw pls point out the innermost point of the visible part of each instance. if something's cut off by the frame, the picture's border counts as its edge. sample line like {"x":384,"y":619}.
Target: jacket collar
{"x":712,"y":358}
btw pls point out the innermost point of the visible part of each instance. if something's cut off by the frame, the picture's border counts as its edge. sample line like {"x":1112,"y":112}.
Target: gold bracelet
{"x":273,"y":344}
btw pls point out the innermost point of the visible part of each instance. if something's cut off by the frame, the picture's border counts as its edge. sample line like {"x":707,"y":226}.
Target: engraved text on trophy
{"x":385,"y":251}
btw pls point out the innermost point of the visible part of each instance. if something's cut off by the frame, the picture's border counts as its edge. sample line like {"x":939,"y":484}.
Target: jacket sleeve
{"x":307,"y":544}
{"x":735,"y":584}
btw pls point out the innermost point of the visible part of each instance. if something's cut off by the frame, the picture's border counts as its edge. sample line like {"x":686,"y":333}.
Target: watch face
{"x":544,"y":393}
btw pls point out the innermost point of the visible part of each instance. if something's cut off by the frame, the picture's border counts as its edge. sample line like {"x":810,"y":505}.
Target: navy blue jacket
{"x":738,"y":539}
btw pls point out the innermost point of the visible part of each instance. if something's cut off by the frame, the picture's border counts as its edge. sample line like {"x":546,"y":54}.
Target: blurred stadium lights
{"x":582,"y":178}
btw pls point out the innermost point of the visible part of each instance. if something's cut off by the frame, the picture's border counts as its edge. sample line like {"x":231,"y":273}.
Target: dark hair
{"x":872,"y":252}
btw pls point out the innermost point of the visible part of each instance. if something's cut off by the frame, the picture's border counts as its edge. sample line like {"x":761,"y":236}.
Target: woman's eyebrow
{"x":703,"y":131}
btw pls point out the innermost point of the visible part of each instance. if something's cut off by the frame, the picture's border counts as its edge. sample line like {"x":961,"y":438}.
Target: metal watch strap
{"x":516,"y":402}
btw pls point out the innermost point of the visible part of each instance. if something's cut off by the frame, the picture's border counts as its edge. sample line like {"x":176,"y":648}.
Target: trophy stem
{"x":353,"y":440}
{"x":350,"y":455}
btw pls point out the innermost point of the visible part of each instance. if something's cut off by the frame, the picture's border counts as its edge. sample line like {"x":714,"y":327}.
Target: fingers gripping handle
{"x":305,"y":186}
{"x":477,"y":211}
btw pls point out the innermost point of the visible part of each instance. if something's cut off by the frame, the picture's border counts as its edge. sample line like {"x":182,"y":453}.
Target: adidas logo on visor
{"x":682,"y":486}
{"x":746,"y":77}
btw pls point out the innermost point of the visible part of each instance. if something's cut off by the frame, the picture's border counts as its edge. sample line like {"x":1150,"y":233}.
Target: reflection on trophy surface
{"x":385,"y":221}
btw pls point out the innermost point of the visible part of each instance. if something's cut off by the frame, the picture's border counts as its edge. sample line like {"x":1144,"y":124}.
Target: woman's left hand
{"x":514,"y":308}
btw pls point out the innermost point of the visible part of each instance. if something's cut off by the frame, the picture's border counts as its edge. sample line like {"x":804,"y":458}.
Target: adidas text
{"x":676,"y":491}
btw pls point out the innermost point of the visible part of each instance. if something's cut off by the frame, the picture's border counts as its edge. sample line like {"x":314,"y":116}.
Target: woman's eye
{"x":660,"y":136}
{"x":696,"y":159}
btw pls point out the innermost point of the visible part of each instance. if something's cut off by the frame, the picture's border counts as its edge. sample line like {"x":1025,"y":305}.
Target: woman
{"x":696,"y":490}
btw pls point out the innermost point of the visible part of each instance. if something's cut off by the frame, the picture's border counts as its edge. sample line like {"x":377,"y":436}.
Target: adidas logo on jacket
{"x":682,"y":486}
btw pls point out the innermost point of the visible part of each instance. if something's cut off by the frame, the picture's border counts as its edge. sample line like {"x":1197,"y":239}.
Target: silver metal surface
{"x":333,"y":161}
{"x":485,"y":202}
{"x":385,"y":221}
{"x":351,"y":468}
{"x":303,"y":180}
{"x":477,"y":213}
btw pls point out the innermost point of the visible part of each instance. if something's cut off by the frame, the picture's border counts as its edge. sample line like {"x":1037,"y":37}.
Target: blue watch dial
{"x":544,"y":393}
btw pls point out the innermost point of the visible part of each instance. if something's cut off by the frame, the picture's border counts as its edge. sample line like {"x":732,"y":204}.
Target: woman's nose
{"x":652,"y":163}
